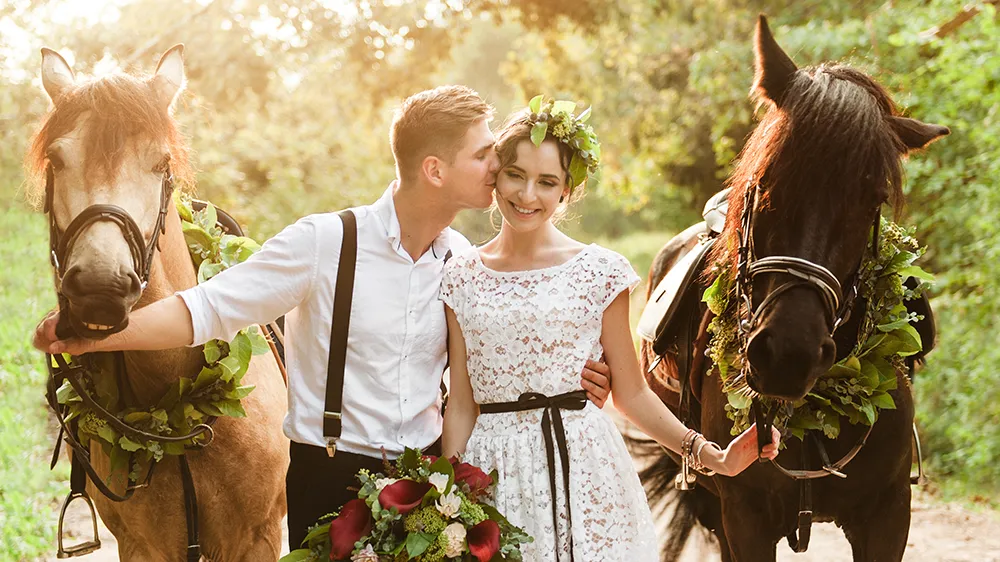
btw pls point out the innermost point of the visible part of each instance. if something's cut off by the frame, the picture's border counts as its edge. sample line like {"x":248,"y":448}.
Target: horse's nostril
{"x":759,"y":351}
{"x":827,"y":353}
{"x":135,"y":286}
{"x":71,"y":282}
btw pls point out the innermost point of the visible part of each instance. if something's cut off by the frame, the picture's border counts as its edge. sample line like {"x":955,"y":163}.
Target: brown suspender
{"x":339,"y":327}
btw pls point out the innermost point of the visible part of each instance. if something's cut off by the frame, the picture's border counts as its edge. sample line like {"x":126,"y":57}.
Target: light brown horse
{"x":108,"y":141}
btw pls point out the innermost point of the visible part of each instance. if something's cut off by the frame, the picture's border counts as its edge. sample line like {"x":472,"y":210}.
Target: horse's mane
{"x":120,"y":109}
{"x":829,"y":139}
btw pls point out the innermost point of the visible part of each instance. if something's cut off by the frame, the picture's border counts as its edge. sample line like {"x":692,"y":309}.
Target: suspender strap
{"x":339,"y":326}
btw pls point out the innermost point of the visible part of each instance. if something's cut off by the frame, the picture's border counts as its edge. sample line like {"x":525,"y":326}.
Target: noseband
{"x":142,"y":254}
{"x":806,"y":273}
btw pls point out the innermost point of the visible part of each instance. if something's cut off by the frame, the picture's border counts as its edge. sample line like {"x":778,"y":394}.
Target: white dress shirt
{"x":396,"y":347}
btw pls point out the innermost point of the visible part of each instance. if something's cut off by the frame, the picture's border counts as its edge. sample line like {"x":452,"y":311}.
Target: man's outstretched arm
{"x":272,"y":282}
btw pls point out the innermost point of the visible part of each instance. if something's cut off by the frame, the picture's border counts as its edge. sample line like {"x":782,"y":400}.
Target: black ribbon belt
{"x":552,"y":405}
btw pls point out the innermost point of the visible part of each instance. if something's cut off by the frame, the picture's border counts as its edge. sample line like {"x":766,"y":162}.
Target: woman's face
{"x":529,"y":189}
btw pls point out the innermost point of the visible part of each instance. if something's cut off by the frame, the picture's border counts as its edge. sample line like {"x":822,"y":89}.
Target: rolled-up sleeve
{"x":269,"y":284}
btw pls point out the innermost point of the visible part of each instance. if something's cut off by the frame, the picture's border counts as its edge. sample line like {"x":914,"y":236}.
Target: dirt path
{"x":938,"y":533}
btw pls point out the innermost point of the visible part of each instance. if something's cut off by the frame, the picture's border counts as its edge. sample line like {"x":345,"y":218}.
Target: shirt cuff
{"x":201,"y":313}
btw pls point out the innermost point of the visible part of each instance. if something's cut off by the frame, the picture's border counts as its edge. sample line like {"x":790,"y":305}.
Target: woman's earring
{"x":561,"y":197}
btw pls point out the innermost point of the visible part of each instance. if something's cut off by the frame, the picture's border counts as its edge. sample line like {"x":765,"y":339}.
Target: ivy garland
{"x":555,"y":117}
{"x":857,"y":387}
{"x":214,"y":391}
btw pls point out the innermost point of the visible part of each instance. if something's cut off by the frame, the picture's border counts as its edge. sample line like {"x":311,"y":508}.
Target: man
{"x":396,"y":343}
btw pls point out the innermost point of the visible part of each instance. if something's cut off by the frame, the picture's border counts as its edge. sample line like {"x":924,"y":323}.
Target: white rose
{"x":439,"y":481}
{"x":383,"y":482}
{"x":449,"y":505}
{"x":455,"y":534}
{"x":367,"y":555}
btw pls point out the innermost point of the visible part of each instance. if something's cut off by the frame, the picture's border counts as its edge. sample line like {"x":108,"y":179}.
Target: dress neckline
{"x":576,"y":256}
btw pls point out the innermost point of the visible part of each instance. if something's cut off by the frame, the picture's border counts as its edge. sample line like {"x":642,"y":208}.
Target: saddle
{"x":677,"y":295}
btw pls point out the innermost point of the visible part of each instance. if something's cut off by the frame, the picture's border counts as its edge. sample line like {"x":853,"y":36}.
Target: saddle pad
{"x":665,"y":299}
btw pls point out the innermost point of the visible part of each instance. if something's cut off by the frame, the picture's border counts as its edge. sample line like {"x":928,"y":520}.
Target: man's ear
{"x":433,"y":170}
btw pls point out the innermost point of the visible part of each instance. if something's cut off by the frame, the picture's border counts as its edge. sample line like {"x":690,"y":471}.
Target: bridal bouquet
{"x":424,"y":508}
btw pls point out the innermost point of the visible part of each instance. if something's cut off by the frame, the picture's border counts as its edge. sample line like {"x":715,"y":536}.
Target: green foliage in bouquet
{"x":422,"y":508}
{"x":857,"y":387}
{"x":214,"y":391}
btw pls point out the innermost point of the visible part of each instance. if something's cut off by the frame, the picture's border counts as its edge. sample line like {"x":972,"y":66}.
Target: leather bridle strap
{"x":142,"y":254}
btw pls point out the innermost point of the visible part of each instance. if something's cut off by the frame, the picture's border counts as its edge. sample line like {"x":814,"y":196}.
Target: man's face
{"x":472,"y":177}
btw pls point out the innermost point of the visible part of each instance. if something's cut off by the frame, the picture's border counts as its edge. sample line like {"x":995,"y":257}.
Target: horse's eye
{"x":55,"y":160}
{"x":162,"y":165}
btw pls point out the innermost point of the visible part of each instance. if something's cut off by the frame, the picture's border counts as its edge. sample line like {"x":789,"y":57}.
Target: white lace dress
{"x":533,"y":331}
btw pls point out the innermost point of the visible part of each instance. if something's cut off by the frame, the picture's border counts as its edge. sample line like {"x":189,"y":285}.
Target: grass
{"x":29,"y":492}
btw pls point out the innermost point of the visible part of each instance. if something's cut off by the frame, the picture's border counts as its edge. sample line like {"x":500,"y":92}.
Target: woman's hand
{"x":741,"y":452}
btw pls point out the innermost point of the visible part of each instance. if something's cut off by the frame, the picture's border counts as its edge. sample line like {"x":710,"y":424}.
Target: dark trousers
{"x":317,"y":484}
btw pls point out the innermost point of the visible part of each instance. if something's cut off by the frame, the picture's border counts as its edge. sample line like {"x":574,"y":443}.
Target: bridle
{"x":60,"y":370}
{"x":60,"y":244}
{"x":837,"y":306}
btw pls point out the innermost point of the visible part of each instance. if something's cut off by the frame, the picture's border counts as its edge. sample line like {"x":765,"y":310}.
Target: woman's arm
{"x":634,"y":399}
{"x":462,"y":411}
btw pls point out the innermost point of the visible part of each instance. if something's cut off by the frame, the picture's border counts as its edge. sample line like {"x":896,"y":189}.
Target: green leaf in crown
{"x":555,"y":117}
{"x":214,"y":391}
{"x":857,"y":387}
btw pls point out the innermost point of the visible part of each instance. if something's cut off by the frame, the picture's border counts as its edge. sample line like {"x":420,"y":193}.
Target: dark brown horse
{"x":820,"y":165}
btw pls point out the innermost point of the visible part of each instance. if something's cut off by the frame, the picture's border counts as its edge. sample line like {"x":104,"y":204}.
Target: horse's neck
{"x":150,"y":373}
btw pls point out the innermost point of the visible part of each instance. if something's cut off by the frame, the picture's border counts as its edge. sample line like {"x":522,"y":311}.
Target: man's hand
{"x":46,"y":340}
{"x":597,"y":382}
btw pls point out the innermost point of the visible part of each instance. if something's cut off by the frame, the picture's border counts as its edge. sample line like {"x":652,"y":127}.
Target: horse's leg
{"x":748,"y":529}
{"x":879,"y":534}
{"x":264,"y":544}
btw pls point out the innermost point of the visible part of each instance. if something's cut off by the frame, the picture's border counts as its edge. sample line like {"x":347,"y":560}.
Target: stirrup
{"x":84,"y":547}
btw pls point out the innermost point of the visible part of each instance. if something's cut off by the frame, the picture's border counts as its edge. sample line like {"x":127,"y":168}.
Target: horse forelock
{"x":828,"y":140}
{"x":122,"y":112}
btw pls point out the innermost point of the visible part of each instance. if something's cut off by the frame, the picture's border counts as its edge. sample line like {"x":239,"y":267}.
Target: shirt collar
{"x":385,"y":210}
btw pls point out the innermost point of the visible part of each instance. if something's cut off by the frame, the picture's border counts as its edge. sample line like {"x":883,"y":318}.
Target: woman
{"x":525,"y":311}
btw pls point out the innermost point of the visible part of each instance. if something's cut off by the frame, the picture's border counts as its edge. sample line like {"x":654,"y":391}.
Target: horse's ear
{"x":773,"y":69}
{"x":917,"y":134}
{"x":168,"y":81}
{"x":57,"y":76}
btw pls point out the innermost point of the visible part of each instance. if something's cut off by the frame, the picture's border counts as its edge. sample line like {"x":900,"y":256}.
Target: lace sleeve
{"x":619,"y":277}
{"x":452,"y":287}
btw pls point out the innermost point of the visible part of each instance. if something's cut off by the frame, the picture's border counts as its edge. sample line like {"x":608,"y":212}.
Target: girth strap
{"x":551,"y":417}
{"x":190,"y":511}
{"x":798,"y":539}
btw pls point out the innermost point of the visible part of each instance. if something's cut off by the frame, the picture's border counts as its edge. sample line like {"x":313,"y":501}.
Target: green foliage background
{"x":289,"y":103}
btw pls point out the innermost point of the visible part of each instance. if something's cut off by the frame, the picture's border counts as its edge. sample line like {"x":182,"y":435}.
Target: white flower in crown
{"x":368,"y":554}
{"x":449,"y":505}
{"x":383,"y":482}
{"x":455,"y":535}
{"x":439,"y":481}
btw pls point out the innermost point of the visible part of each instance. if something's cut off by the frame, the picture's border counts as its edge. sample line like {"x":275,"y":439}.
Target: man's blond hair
{"x":434,"y":123}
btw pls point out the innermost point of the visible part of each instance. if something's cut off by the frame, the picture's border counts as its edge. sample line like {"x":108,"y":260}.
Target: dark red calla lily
{"x":474,"y":476}
{"x":404,"y":495}
{"x":353,"y":523}
{"x":484,"y":540}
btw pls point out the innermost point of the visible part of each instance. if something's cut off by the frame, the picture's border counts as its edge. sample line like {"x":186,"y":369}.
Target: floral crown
{"x":555,"y":117}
